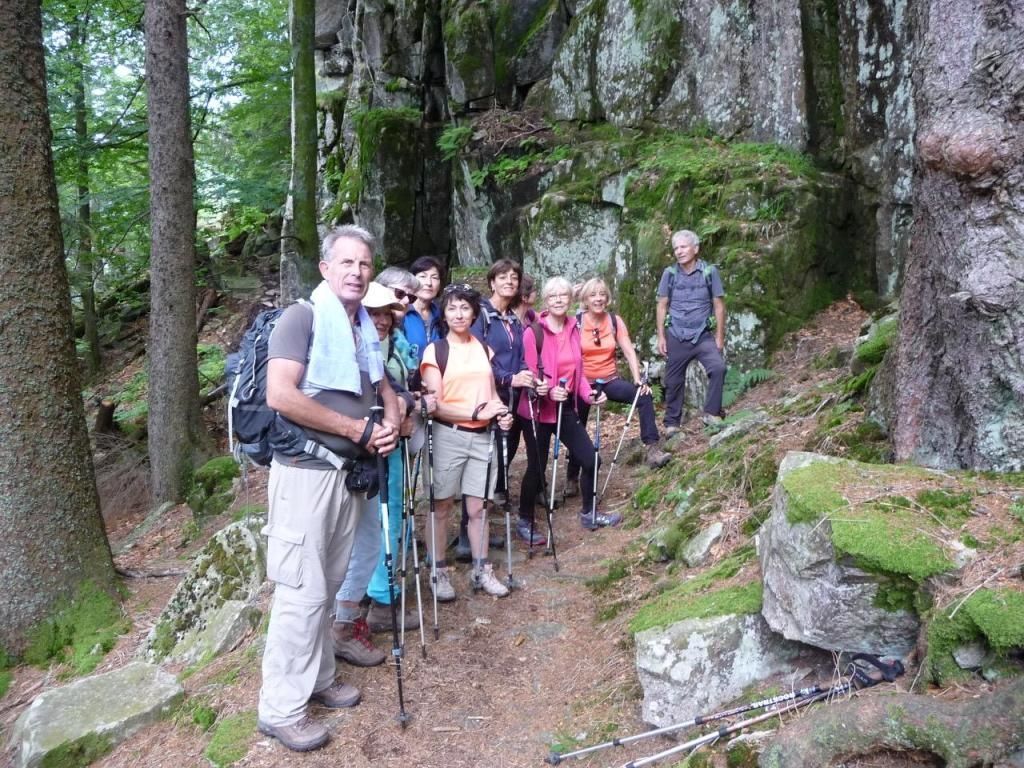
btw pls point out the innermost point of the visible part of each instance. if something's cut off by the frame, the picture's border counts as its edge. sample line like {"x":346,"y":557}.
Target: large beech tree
{"x":173,"y":379}
{"x":51,"y":533}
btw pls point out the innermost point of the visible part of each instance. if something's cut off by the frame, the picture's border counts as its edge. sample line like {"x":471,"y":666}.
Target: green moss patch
{"x":995,"y":616}
{"x":79,"y":753}
{"x":699,"y":597}
{"x":80,"y":633}
{"x":873,"y":349}
{"x":230,"y":741}
{"x":811,"y":491}
{"x":5,"y":673}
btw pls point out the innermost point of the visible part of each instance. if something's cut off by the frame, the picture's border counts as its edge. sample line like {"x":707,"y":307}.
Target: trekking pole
{"x":508,"y":494}
{"x":531,"y":395}
{"x":430,"y":490}
{"x":558,"y":443}
{"x":629,"y":418}
{"x":377,"y":415}
{"x":858,"y":680}
{"x":598,"y":387}
{"x":555,"y":758}
{"x":410,"y":533}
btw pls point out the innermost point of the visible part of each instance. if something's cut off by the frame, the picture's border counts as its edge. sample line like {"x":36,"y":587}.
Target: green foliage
{"x":248,"y":510}
{"x":5,"y":674}
{"x":80,"y":633}
{"x":196,"y":711}
{"x":1017,"y":509}
{"x":230,"y":740}
{"x":857,"y":385}
{"x":211,"y":366}
{"x":453,"y":139}
{"x":811,"y":491}
{"x":737,"y":382}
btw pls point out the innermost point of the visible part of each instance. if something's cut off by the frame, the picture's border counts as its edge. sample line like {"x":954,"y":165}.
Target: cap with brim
{"x":379,"y":297}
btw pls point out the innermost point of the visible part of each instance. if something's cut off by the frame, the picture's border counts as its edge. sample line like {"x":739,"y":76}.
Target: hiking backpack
{"x":250,"y":419}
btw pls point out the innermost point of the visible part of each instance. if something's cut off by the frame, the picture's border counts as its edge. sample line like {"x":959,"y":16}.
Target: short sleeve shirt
{"x":291,"y":340}
{"x":598,"y":344}
{"x":468,"y":379}
{"x":691,"y":304}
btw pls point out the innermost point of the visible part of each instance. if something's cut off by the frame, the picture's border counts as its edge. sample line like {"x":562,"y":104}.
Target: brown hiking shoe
{"x":303,"y":736}
{"x":352,"y":643}
{"x":656,"y":457}
{"x":338,"y":695}
{"x":378,"y":618}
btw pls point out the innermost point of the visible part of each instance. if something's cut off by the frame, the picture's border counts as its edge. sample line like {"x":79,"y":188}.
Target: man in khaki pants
{"x":322,"y":385}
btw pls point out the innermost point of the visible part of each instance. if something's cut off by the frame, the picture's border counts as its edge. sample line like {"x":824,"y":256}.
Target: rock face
{"x":696,"y":666}
{"x":80,"y":722}
{"x":231,"y":567}
{"x":815,"y":595}
{"x":224,"y":629}
{"x":960,"y":355}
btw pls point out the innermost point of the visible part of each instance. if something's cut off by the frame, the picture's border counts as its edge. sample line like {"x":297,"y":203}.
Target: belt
{"x":460,"y":428}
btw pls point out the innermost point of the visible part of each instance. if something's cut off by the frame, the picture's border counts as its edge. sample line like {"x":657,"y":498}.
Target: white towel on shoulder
{"x":333,"y":349}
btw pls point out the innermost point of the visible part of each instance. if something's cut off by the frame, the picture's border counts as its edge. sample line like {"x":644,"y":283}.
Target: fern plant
{"x":737,"y":382}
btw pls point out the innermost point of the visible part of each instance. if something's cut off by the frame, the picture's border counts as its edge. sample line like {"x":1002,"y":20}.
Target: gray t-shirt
{"x":291,"y":340}
{"x":691,"y":304}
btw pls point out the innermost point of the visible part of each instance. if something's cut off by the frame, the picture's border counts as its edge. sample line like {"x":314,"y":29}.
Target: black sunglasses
{"x":402,"y":295}
{"x":464,"y":287}
{"x":597,"y":336}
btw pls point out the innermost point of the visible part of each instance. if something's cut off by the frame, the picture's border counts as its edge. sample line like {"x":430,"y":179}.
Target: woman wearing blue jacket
{"x":422,"y":323}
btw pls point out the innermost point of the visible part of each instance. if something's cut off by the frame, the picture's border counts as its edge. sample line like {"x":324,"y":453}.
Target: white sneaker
{"x":484,"y":578}
{"x":443,"y":589}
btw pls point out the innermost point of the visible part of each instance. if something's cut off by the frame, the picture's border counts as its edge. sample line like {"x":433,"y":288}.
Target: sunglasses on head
{"x":464,"y":287}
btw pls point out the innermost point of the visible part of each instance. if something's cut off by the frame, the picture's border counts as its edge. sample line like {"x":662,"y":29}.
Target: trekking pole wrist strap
{"x":364,"y":439}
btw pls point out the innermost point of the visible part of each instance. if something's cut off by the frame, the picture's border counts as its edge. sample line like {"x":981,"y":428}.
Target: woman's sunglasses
{"x":597,"y":337}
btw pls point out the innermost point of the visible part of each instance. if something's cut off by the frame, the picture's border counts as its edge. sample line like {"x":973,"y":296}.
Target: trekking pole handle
{"x":598,"y":388}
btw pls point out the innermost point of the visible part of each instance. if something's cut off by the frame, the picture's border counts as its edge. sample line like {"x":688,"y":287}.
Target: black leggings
{"x":574,"y":438}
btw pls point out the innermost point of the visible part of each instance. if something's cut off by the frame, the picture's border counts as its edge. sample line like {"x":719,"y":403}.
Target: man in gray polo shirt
{"x":324,"y":383}
{"x":689,"y":294}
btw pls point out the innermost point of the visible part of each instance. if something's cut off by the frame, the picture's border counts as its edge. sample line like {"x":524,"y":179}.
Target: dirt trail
{"x":506,"y":679}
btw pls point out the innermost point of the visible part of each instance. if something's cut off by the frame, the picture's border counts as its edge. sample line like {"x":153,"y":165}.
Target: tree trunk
{"x":173,"y":376}
{"x":969,"y":732}
{"x":299,"y":257}
{"x":960,"y":355}
{"x":51,"y":533}
{"x":86,"y":267}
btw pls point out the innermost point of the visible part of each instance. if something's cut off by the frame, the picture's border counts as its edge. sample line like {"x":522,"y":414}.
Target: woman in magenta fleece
{"x":560,"y":358}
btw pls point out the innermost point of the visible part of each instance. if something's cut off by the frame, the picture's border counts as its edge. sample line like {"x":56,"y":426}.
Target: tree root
{"x":962,"y":733}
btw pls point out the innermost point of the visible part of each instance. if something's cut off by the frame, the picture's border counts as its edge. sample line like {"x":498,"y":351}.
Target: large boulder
{"x":841,"y":565}
{"x":232,"y":566}
{"x":80,"y":722}
{"x":696,"y":666}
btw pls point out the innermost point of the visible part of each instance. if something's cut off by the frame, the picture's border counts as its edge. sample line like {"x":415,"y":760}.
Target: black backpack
{"x":250,"y":420}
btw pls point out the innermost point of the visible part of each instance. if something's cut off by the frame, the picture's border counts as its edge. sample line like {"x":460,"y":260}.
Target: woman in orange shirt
{"x":600,"y":337}
{"x":466,"y":403}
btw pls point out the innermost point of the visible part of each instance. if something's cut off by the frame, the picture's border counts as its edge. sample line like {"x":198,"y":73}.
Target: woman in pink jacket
{"x":556,"y":357}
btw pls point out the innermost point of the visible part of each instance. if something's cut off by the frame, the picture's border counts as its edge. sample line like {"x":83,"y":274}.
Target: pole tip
{"x":403,"y":719}
{"x":553,"y":758}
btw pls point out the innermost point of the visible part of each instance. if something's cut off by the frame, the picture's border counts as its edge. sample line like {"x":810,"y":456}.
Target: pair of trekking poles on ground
{"x":857,"y":678}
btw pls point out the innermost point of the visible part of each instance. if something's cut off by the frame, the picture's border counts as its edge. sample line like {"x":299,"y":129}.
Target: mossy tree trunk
{"x":962,"y":733}
{"x":299,"y":244}
{"x":51,"y":533}
{"x":960,"y":356}
{"x":173,"y":375}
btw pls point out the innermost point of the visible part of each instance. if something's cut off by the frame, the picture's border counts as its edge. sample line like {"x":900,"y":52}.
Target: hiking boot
{"x":671,"y":430}
{"x":523,"y":532}
{"x":303,"y":736}
{"x":572,"y":486}
{"x":484,"y":578}
{"x":378,"y":618}
{"x":352,"y":643}
{"x":337,"y":695}
{"x":711,"y":419}
{"x":602,"y":520}
{"x":445,"y":591}
{"x":657,"y":458}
